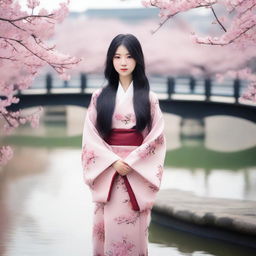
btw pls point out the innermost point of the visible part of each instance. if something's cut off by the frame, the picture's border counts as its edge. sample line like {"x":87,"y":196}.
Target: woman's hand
{"x":121,"y":167}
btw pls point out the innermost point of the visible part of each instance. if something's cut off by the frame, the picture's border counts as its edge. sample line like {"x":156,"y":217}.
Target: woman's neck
{"x":125,"y":81}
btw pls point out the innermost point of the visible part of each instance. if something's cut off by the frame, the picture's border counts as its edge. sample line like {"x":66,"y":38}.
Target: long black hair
{"x":106,"y":100}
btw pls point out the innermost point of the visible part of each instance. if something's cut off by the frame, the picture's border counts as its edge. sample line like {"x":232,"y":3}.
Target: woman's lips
{"x":124,"y":69}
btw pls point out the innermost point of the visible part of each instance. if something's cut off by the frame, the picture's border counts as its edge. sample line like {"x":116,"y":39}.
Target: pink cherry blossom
{"x":98,"y":231}
{"x":152,"y":187}
{"x":127,"y":219}
{"x":23,"y":52}
{"x":151,"y":147}
{"x":99,"y":207}
{"x":6,"y":153}
{"x":88,"y":157}
{"x":159,"y":172}
{"x":124,"y":247}
{"x":118,"y":117}
{"x":125,"y":118}
{"x":237,"y":26}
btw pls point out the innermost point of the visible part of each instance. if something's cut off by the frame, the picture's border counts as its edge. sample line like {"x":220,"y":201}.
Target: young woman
{"x":123,"y":152}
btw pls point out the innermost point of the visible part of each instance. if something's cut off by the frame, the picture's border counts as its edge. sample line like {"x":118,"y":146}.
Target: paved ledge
{"x":226,"y":219}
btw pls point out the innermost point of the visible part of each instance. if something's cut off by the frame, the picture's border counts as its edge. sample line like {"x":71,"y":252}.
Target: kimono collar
{"x":121,"y":93}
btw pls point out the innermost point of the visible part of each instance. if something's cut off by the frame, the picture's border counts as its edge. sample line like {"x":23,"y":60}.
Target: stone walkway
{"x":234,"y":216}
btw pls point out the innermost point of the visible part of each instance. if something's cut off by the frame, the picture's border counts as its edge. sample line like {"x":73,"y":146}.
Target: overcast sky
{"x":81,"y":5}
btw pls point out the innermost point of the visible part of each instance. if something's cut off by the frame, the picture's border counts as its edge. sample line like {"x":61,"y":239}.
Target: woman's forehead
{"x":121,"y":49}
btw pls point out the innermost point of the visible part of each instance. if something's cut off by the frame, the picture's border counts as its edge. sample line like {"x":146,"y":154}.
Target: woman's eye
{"x":129,"y":56}
{"x":116,"y":57}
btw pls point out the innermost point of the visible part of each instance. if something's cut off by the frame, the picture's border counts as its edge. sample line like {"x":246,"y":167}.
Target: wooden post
{"x":192,"y":84}
{"x":170,"y":86}
{"x":237,"y":85}
{"x":65,"y":83}
{"x":207,"y":88}
{"x":83,"y":79}
{"x":48,"y":83}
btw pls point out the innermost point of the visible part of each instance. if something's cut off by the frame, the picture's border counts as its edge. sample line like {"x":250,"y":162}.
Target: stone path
{"x":233,"y":216}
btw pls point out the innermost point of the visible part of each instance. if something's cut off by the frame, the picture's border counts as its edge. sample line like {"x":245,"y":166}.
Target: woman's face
{"x":123,"y":62}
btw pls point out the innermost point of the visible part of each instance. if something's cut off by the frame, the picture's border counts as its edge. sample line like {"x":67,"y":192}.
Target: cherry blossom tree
{"x":23,"y":51}
{"x":237,"y":27}
{"x":162,"y":51}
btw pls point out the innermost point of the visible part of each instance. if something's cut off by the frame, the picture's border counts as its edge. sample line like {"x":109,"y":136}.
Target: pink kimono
{"x":118,"y":229}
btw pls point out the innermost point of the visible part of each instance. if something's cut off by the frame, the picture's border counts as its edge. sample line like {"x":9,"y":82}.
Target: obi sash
{"x":125,"y":137}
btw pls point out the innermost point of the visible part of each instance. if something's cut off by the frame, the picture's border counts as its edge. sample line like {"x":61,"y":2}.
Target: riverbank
{"x":225,"y":219}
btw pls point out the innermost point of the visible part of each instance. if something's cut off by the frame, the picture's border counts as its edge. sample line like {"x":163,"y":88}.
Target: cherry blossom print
{"x":125,"y":201}
{"x":132,"y":218}
{"x":127,"y":219}
{"x":159,"y":140}
{"x":151,"y":147}
{"x":153,"y":188}
{"x":99,"y":208}
{"x":125,"y":229}
{"x":88,"y":157}
{"x":126,"y":119}
{"x":99,"y":231}
{"x":120,"y":183}
{"x":159,"y":172}
{"x":147,"y":151}
{"x":90,"y":183}
{"x":124,"y":247}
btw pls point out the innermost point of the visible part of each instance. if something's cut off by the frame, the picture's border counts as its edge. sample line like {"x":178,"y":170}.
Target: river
{"x":46,"y":209}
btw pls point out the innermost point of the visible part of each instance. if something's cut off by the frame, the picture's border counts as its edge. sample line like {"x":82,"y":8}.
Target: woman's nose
{"x":123,"y":61}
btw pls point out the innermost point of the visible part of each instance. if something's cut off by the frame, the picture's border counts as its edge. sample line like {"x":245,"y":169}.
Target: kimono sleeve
{"x":97,"y":156}
{"x":147,"y":160}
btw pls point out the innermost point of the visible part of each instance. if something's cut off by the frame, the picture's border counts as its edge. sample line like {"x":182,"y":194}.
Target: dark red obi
{"x":125,"y":137}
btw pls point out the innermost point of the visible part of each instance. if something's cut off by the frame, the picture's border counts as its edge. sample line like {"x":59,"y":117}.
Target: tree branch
{"x":230,"y":41}
{"x":26,"y":17}
{"x":55,"y":66}
{"x":172,"y":15}
{"x":218,"y":19}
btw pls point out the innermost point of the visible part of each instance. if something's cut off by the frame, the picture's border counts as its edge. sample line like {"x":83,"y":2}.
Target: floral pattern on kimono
{"x":126,"y":119}
{"x":98,"y":156}
{"x":88,"y":157}
{"x":150,"y":148}
{"x":118,"y":230}
{"x":123,"y":247}
{"x":130,"y":219}
{"x":121,"y":184}
{"x":98,"y":231}
{"x":99,"y":207}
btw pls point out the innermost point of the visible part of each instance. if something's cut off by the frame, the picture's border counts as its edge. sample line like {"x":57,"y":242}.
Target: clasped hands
{"x":121,"y":167}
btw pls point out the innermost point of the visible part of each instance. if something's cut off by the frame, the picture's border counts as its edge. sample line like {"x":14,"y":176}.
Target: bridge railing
{"x":207,"y":87}
{"x":169,"y":86}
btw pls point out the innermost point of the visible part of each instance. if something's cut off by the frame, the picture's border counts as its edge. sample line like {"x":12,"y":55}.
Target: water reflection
{"x":192,"y":163}
{"x":188,"y":244}
{"x":49,"y":212}
{"x":45,"y":208}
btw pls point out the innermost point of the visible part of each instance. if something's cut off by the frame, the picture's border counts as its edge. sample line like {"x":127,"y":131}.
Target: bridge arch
{"x":183,"y":108}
